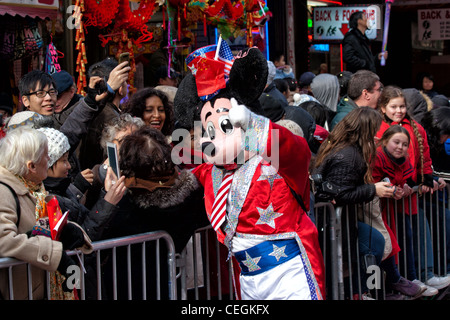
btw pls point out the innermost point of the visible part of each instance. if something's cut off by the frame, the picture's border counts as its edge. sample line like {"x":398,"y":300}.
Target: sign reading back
{"x":331,"y":23}
{"x":434,"y":24}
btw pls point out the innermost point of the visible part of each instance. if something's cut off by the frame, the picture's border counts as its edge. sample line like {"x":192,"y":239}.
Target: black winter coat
{"x":92,"y":221}
{"x":345,"y":170}
{"x":178,"y":210}
{"x":356,"y":52}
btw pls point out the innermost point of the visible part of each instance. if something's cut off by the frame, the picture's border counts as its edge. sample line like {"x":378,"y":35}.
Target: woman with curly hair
{"x":154,"y":107}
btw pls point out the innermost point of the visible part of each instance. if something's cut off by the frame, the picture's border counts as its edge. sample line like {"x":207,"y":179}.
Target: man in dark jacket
{"x":67,"y":97}
{"x":356,"y":50}
{"x":364,"y":89}
{"x":114,"y":77}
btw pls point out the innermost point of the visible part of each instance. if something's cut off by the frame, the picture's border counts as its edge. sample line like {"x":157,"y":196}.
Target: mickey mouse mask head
{"x":222,"y":139}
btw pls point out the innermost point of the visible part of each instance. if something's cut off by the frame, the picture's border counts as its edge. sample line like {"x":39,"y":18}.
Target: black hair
{"x":277,"y":56}
{"x":343,"y":78}
{"x":33,"y":78}
{"x":353,"y":20}
{"x":136,"y":106}
{"x":292,"y":83}
{"x":281,"y":84}
{"x":102,"y":68}
{"x":420,"y":78}
{"x":436,"y":122}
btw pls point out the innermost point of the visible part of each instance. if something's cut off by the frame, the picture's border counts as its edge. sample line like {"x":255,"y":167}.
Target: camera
{"x":323,"y":189}
{"x":101,"y":87}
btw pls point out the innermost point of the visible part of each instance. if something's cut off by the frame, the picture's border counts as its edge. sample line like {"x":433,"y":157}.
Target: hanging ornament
{"x":134,"y":20}
{"x":51,"y":59}
{"x":100,"y":13}
{"x":80,"y":47}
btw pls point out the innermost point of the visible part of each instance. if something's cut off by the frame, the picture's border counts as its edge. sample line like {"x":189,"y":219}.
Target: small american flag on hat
{"x":226,"y":56}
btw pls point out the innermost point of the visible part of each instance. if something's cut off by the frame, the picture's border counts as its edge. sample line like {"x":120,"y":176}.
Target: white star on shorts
{"x":251,"y":263}
{"x":278,"y":252}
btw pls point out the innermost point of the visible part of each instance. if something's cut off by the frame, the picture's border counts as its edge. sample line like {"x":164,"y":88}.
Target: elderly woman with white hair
{"x":23,"y":166}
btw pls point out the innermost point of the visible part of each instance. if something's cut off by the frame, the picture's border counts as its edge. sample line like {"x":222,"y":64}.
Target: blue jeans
{"x":423,"y":246}
{"x":440,"y":219}
{"x":406,"y":240}
{"x":368,"y":244}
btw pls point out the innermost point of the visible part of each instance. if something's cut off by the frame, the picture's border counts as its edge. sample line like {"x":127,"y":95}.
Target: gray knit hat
{"x":58,"y":144}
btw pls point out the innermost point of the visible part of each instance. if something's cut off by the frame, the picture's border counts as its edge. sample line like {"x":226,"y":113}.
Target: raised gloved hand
{"x":239,"y":115}
{"x":71,"y":237}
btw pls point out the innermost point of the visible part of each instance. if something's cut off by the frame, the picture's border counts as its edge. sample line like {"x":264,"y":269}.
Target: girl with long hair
{"x":392,"y":106}
{"x":344,"y":161}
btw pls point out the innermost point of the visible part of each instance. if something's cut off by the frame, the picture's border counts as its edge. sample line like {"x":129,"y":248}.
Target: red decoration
{"x":100,"y":14}
{"x":136,"y":20}
{"x":81,"y":58}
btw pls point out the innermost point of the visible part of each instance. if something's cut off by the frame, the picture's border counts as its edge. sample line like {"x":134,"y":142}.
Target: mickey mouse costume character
{"x":254,"y":171}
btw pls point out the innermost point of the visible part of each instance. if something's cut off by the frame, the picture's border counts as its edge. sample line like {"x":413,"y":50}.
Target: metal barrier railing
{"x":212,"y":254}
{"x":212,"y":277}
{"x":113,"y":244}
{"x":429,"y":233}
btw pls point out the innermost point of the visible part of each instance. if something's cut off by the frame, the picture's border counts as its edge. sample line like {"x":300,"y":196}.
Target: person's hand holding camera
{"x":118,"y":76}
{"x":384,"y":189}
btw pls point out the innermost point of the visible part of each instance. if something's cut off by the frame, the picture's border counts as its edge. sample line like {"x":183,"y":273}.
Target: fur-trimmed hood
{"x":184,"y":185}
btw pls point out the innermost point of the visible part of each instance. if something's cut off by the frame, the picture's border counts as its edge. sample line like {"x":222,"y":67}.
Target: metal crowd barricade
{"x":431,"y":219}
{"x":113,"y":244}
{"x":328,"y":223}
{"x":209,"y":263}
{"x":205,"y":273}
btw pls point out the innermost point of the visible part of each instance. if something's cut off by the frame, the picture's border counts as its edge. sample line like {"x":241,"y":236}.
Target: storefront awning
{"x":32,"y":8}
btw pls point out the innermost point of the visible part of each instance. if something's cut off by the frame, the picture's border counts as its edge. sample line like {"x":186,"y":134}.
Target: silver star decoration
{"x":278,"y":252}
{"x":270,"y":174}
{"x":251,"y":263}
{"x":268,"y":216}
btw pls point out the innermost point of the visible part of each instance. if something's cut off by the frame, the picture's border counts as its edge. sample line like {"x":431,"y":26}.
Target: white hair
{"x":121,"y":123}
{"x":20,"y":146}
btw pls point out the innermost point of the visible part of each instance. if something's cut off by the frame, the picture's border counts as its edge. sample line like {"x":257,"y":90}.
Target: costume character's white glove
{"x":239,"y":115}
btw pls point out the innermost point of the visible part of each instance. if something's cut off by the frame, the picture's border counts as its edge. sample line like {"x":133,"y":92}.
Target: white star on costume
{"x":268,"y":216}
{"x":270,"y":174}
{"x":251,"y":263}
{"x":278,"y":252}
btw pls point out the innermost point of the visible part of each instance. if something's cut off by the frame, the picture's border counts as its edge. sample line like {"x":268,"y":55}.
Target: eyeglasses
{"x":380,"y":89}
{"x":42,"y":93}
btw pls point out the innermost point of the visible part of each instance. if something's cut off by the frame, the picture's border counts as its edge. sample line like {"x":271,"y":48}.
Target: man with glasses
{"x":364,"y":89}
{"x":38,"y":92}
{"x":356,"y":51}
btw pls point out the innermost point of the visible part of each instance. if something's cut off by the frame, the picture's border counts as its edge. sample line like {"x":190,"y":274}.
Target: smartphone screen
{"x":113,"y":158}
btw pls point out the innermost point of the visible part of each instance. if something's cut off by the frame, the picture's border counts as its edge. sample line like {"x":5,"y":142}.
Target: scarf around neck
{"x":38,"y":191}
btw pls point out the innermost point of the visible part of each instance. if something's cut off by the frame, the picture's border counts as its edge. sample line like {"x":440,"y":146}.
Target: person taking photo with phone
{"x":107,"y":87}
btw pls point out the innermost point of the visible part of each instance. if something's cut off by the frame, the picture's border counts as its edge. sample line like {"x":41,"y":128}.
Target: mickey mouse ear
{"x":187,"y":103}
{"x":248,"y":75}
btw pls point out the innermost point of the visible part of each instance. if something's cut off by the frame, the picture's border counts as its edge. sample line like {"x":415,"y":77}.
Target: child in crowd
{"x":392,"y":105}
{"x":392,"y":162}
